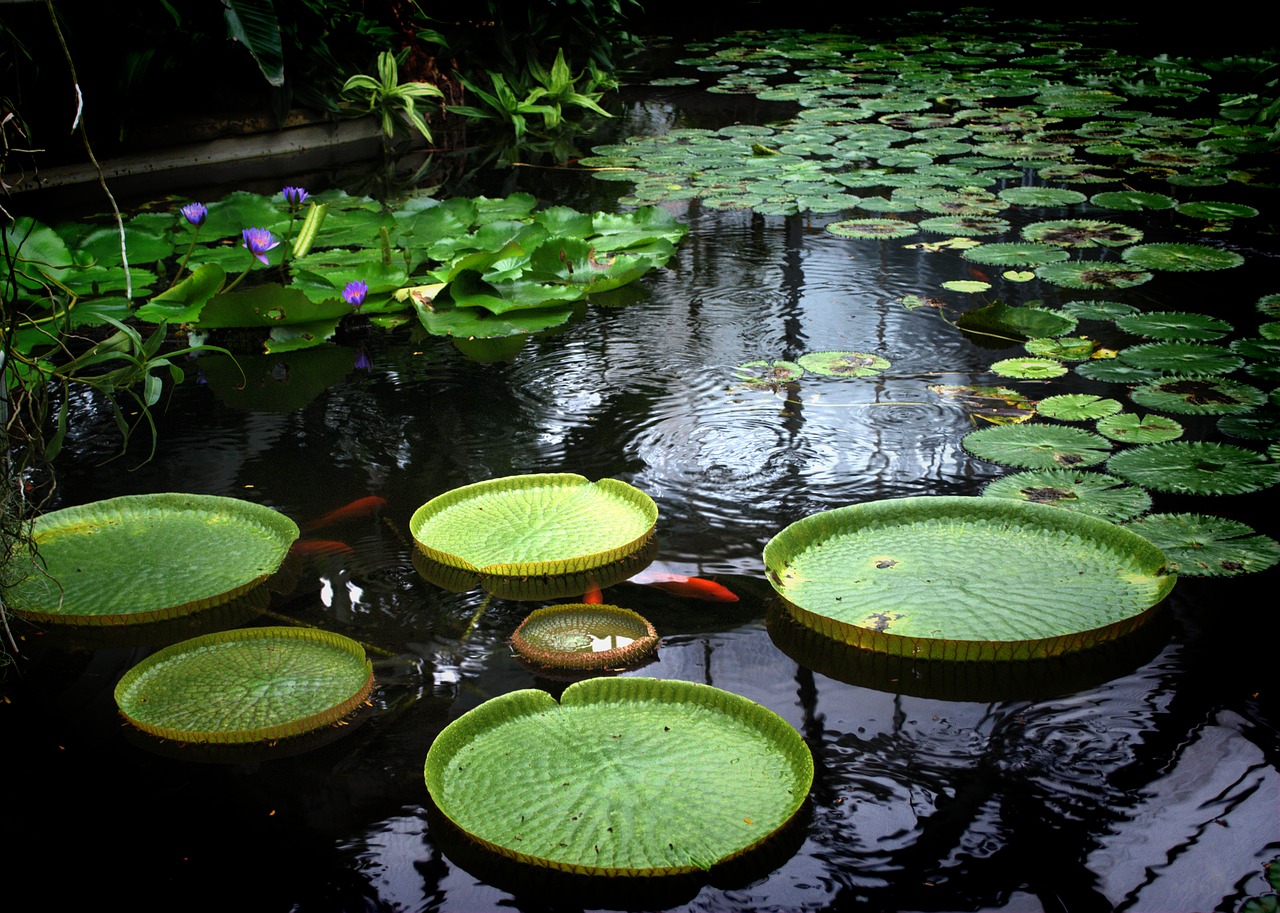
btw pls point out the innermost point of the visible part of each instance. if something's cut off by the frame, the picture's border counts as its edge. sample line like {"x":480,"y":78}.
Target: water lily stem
{"x":475,"y":619}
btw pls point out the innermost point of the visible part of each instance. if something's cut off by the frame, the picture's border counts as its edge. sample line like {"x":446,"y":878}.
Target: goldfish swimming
{"x":356,"y":510}
{"x":593,"y":596}
{"x":688,"y":587}
{"x":321,"y":548}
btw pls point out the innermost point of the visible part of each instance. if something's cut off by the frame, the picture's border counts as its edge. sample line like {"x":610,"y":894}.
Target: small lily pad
{"x":1037,"y":446}
{"x":1196,"y":468}
{"x":1094,"y":493}
{"x":1077,"y":407}
{"x":584,"y":637}
{"x":769,"y":373}
{"x":1031,"y":368}
{"x":248,"y":685}
{"x":1203,"y":546}
{"x":1129,"y":428}
{"x":843,"y":364}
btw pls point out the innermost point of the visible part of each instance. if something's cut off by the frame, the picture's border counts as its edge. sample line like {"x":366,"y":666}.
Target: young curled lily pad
{"x":247,"y":685}
{"x":621,"y":777}
{"x":1037,"y":446}
{"x":1203,"y":546}
{"x":584,"y":637}
{"x":1093,"y":493}
{"x":843,"y":364}
{"x":1196,"y":468}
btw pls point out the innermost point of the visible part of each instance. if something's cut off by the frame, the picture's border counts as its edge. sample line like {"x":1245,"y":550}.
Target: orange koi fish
{"x":593,"y":596}
{"x":357,"y":509}
{"x":688,"y":587}
{"x":321,"y":548}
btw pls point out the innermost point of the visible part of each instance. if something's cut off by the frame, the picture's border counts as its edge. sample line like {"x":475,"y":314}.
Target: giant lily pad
{"x":624,"y":776}
{"x":584,"y":637}
{"x":961,"y":578}
{"x":143,"y":558}
{"x":250,"y":685}
{"x":537,"y":536}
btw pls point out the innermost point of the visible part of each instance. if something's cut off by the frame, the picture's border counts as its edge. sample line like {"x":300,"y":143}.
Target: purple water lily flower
{"x":295,"y":196}
{"x":195,"y":212}
{"x":363,"y":362}
{"x":259,"y":241}
{"x":354,"y":293}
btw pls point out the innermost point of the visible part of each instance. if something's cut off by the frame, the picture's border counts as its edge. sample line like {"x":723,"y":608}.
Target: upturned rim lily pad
{"x":961,"y":578}
{"x":538,"y":529}
{"x":248,"y":685}
{"x":584,"y":637}
{"x":622,"y":777}
{"x":145,"y":558}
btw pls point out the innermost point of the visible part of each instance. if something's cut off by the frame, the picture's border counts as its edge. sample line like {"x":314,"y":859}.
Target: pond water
{"x":1142,"y":776}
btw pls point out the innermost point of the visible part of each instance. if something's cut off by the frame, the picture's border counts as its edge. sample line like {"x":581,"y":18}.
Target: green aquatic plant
{"x":1196,"y":468}
{"x":1129,"y":428}
{"x":1094,"y":493}
{"x":394,"y":102}
{"x":1077,"y":407}
{"x":1203,"y":546}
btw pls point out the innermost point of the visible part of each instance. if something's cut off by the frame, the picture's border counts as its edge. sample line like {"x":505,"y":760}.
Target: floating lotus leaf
{"x":143,"y":558}
{"x":538,"y":528}
{"x":1086,"y":274}
{"x":1063,"y":348}
{"x":249,"y":685}
{"x":1186,"y":358}
{"x":1097,"y":310}
{"x":1077,"y":407}
{"x":1174,"y":325}
{"x":1198,"y":396}
{"x":1041,"y":196}
{"x":1029,"y":367}
{"x":1181,"y":257}
{"x":623,"y":777}
{"x":843,"y":364}
{"x":1204,"y":546}
{"x":584,"y":637}
{"x":1208,"y":209}
{"x":1082,"y":233}
{"x":1092,"y":493}
{"x":1136,"y":429}
{"x":959,"y":578}
{"x":1026,"y":253}
{"x":1195,"y":468}
{"x":769,"y":373}
{"x":1132,"y":200}
{"x":1037,"y":446}
{"x":1020,"y":323}
{"x":872,"y":228}
{"x":1251,"y":427}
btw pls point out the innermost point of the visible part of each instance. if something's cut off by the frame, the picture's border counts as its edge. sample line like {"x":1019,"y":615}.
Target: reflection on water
{"x":1142,"y":778}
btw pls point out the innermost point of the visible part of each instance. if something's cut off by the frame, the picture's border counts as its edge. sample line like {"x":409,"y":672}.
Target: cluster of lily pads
{"x":295,"y":266}
{"x":1022,"y":157}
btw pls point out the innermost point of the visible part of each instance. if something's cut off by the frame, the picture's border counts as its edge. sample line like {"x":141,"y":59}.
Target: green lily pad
{"x":584,"y":637}
{"x":1041,"y":196}
{"x":1077,"y":407}
{"x":1063,"y":348}
{"x":1132,"y":200}
{"x":1097,"y":310}
{"x":882,"y":229}
{"x":1209,"y":209}
{"x":1181,"y":257}
{"x":1018,"y":323}
{"x":1081,"y":233}
{"x":1196,"y":468}
{"x":1092,"y":274}
{"x":1174,"y":325}
{"x":1202,"y":546}
{"x":1129,"y":428}
{"x":1092,"y":493}
{"x":921,"y":576}
{"x":1037,"y":446}
{"x":1024,"y":253}
{"x":843,"y":364}
{"x":1036,"y":368}
{"x":144,"y":558}
{"x":769,"y":373}
{"x":1198,"y":396}
{"x":248,"y":685}
{"x":623,"y":777}
{"x":1185,"y":358}
{"x":522,"y":535}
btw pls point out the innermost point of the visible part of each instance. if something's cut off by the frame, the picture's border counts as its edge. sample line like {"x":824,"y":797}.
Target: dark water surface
{"x":1139,"y":777}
